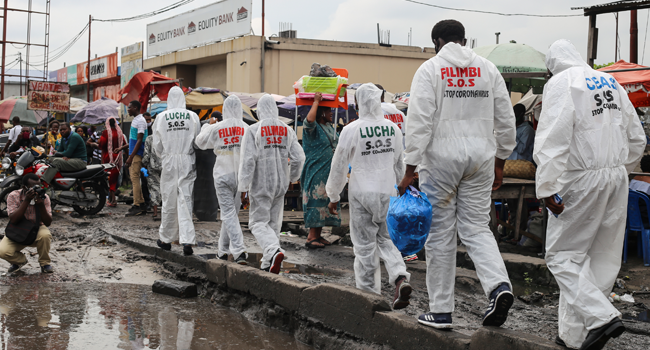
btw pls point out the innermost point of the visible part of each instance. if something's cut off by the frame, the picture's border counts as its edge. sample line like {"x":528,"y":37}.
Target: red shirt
{"x":103,"y":144}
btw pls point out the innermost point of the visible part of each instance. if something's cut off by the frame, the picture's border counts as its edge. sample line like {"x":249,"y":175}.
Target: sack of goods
{"x":520,"y":169}
{"x":409,"y":221}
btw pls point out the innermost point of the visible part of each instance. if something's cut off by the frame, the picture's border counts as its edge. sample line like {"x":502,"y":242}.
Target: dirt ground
{"x":83,"y":250}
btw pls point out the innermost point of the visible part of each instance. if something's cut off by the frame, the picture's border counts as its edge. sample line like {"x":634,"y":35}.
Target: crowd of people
{"x":456,"y":138}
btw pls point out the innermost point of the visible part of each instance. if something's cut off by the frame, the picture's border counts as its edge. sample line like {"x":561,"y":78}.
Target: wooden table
{"x":519,"y":189}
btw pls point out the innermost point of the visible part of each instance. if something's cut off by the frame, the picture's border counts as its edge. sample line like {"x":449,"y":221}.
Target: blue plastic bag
{"x":409,"y":220}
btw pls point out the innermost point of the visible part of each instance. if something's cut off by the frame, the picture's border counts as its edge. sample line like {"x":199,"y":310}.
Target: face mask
{"x":25,"y":135}
{"x":149,"y":124}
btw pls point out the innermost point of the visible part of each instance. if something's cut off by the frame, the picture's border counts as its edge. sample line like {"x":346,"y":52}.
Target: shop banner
{"x":131,"y":62}
{"x":211,"y":23}
{"x":48,"y":96}
{"x":103,"y":67}
{"x":109,"y":91}
{"x":72,"y":75}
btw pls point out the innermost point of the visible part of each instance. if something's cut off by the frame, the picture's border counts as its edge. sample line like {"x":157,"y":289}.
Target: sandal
{"x":112,"y":205}
{"x":314,"y":244}
{"x":323,"y":241}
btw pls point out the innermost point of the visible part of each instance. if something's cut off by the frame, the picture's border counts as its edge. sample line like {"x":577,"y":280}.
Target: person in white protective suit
{"x":271,"y":158}
{"x":373,"y":147}
{"x":588,"y":140}
{"x":175,"y":131}
{"x":460,"y":129}
{"x":225,"y":139}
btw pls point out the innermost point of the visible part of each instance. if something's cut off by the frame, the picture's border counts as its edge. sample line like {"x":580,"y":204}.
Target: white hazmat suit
{"x":460,"y":118}
{"x":373,"y":146}
{"x":271,"y":158}
{"x":588,"y":140}
{"x":225,"y":139}
{"x":175,"y":131}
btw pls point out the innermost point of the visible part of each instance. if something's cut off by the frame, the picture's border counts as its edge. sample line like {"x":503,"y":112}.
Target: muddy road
{"x":83,"y":249}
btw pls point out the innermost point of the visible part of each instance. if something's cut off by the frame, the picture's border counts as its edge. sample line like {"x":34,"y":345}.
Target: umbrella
{"x":636,"y":83}
{"x":203,"y":98}
{"x":76,"y":104}
{"x":516,"y":58}
{"x":17,"y":107}
{"x":97,"y":112}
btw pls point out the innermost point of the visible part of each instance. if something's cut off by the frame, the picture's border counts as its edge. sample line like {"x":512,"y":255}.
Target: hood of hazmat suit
{"x":372,"y":145}
{"x":271,"y":155}
{"x":174,"y":134}
{"x":460,"y":118}
{"x":588,"y":139}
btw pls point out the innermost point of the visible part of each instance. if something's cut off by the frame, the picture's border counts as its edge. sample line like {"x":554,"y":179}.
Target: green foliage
{"x":599,"y":66}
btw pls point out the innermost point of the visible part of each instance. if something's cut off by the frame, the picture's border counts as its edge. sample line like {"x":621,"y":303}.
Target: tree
{"x":599,"y":66}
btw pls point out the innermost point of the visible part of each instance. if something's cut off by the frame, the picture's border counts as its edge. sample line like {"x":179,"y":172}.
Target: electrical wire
{"x":147,"y":15}
{"x":490,"y":12}
{"x":646,"y":36}
{"x":65,"y":48}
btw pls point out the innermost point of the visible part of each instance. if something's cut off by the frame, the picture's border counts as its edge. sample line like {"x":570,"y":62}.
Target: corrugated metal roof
{"x":627,"y":2}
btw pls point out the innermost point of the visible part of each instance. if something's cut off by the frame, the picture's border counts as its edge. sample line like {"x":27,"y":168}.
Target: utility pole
{"x":497,"y":34}
{"x":20,"y":63}
{"x":90,"y":21}
{"x":262,"y":17}
{"x":4,"y":46}
{"x":634,"y":38}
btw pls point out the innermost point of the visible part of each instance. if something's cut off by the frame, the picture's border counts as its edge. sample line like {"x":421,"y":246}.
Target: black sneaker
{"x":559,"y":341}
{"x":597,"y":338}
{"x":15,"y":267}
{"x":276,"y":262}
{"x":402,"y":293}
{"x":137,"y":210}
{"x":241,"y":259}
{"x":163,"y":245}
{"x":439,"y":321}
{"x":501,"y":300}
{"x":223,"y":256}
{"x":187,"y":249}
{"x":47,"y":269}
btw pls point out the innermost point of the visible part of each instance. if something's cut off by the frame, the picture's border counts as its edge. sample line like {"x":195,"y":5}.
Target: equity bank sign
{"x":211,"y":23}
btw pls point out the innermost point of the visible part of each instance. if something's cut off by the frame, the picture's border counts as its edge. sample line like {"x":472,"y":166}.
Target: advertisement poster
{"x":131,"y":62}
{"x":211,"y":23}
{"x":48,"y":96}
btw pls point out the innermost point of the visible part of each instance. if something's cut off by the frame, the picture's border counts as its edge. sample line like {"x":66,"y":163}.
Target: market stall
{"x":634,"y":78}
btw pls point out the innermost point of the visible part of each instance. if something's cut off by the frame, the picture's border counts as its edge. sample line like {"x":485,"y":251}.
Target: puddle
{"x":120,"y":316}
{"x":641,"y":316}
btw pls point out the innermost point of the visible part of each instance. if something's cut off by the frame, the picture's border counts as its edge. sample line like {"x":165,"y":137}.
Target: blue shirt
{"x":525,"y":143}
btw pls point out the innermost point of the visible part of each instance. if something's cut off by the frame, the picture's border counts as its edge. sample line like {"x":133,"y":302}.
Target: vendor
{"x":525,"y":136}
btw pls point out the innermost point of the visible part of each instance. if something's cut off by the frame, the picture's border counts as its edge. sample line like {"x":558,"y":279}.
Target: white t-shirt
{"x":13,"y":133}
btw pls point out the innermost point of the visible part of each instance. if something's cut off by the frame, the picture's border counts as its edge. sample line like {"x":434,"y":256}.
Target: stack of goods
{"x":320,"y":79}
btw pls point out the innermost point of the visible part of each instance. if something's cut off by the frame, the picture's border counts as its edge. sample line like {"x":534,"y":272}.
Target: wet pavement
{"x":84,"y":250}
{"x":123,"y":316}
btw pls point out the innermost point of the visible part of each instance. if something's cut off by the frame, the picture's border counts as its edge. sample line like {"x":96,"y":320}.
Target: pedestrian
{"x":173,"y":142}
{"x":52,"y":138}
{"x":271,"y":158}
{"x":153,"y":164}
{"x":224,"y":138}
{"x":460,"y":129}
{"x":588,"y":140}
{"x":23,"y":204}
{"x":373,"y":147}
{"x":137,"y":137}
{"x":93,"y":142}
{"x":112,"y":143}
{"x":319,"y":140}
{"x":525,"y":136}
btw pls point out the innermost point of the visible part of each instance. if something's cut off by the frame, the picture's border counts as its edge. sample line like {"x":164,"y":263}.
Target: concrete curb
{"x":488,"y":338}
{"x":363,"y":315}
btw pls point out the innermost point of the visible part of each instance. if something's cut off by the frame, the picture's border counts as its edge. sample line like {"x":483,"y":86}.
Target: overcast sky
{"x":341,"y":20}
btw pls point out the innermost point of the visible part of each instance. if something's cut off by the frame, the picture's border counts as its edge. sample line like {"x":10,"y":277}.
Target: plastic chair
{"x":635,"y":224}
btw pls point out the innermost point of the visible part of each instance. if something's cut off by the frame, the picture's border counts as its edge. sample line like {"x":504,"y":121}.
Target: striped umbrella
{"x":17,"y":107}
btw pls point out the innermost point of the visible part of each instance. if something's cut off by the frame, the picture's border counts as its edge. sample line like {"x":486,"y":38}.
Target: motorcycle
{"x":85,"y":190}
